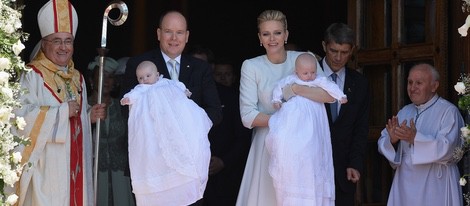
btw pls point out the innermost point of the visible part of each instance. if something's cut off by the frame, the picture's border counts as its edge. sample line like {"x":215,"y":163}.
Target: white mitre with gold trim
{"x":57,"y":16}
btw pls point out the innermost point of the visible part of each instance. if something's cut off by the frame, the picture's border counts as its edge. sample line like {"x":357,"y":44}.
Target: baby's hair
{"x":147,"y":64}
{"x":313,"y":54}
{"x":306,"y":56}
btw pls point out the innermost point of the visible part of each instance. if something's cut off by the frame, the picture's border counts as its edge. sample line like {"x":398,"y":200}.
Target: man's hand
{"x":391,"y":126}
{"x":74,"y":108}
{"x":125,"y":101}
{"x":353,"y":175}
{"x":216,"y":165}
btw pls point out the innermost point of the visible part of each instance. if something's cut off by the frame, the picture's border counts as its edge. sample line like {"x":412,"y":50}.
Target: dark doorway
{"x":226,"y":27}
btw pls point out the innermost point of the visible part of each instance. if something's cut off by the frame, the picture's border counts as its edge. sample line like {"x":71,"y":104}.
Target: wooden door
{"x":392,"y":35}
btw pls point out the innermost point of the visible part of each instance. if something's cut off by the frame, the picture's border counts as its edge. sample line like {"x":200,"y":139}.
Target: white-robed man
{"x":419,"y":143}
{"x":59,"y":158}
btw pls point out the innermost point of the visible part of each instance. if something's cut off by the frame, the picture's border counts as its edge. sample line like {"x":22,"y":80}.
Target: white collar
{"x":167,"y":58}
{"x":327,"y":70}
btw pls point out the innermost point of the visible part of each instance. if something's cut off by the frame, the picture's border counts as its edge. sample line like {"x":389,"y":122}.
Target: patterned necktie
{"x":173,"y":72}
{"x":334,"y":106}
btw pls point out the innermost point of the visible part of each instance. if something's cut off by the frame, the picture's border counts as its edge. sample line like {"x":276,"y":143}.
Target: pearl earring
{"x":260,"y":44}
{"x":285,"y":42}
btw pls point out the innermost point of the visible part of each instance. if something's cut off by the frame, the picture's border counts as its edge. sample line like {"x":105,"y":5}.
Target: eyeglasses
{"x":58,"y":42}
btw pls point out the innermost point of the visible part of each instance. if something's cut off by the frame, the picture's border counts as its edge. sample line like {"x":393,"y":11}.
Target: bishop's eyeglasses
{"x":58,"y":42}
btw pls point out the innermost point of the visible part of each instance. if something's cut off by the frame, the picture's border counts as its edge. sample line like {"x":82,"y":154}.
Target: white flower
{"x":4,"y":63}
{"x":20,"y":123}
{"x":7,"y":91}
{"x":17,"y":24}
{"x":4,"y":77}
{"x":465,"y":132}
{"x":460,"y":88}
{"x":10,"y":177}
{"x":4,"y":114}
{"x":17,"y":47}
{"x":464,"y":28}
{"x":462,"y":181}
{"x":11,"y":200}
{"x":11,"y":65}
{"x":8,"y":28}
{"x":17,"y":157}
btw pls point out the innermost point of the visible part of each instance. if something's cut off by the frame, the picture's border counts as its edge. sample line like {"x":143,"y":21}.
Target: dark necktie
{"x":334,"y":106}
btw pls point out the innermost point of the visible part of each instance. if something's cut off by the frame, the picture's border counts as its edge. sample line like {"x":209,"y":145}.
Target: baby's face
{"x":306,"y":72}
{"x":147,"y":75}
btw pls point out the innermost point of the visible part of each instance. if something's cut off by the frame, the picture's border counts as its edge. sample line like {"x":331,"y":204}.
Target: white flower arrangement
{"x":11,"y":65}
{"x":463,"y":89}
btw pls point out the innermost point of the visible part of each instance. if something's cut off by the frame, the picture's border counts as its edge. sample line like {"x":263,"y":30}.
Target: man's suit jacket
{"x":350,"y":130}
{"x":194,"y":73}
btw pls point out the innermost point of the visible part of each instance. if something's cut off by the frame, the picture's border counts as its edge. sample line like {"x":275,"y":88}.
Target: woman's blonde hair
{"x":272,"y":15}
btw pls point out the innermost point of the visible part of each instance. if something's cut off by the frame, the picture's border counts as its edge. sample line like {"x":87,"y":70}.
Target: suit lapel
{"x":348,"y":91}
{"x":349,"y":85}
{"x":185,"y":69}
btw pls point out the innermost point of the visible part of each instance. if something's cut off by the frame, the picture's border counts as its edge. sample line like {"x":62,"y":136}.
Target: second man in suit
{"x":350,"y":129}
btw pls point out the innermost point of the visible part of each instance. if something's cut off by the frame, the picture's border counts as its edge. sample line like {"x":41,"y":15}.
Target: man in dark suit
{"x":350,"y":128}
{"x":196,"y":74}
{"x":349,"y":124}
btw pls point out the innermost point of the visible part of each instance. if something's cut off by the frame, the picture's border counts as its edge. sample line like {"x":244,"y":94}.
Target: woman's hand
{"x":316,"y":94}
{"x":287,"y":92}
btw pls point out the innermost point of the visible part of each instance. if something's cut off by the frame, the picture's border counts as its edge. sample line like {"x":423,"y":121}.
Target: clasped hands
{"x":400,"y":131}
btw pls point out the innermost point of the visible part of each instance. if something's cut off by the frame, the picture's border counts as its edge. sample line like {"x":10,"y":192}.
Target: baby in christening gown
{"x":169,"y":150}
{"x":299,"y":143}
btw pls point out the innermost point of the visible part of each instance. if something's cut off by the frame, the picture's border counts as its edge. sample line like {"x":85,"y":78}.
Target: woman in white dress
{"x":259,"y":76}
